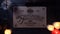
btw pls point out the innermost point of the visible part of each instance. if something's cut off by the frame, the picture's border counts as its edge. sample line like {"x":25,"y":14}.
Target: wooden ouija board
{"x":29,"y":17}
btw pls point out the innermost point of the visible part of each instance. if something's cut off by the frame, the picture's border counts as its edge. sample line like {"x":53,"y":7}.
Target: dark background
{"x":53,"y":14}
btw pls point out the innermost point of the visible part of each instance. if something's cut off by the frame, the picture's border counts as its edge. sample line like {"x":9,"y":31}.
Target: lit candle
{"x":54,"y":28}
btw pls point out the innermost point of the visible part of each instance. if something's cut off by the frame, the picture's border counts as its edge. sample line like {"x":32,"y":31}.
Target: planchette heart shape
{"x":56,"y":31}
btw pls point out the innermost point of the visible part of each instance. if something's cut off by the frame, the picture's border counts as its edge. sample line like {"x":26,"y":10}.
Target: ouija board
{"x":29,"y":17}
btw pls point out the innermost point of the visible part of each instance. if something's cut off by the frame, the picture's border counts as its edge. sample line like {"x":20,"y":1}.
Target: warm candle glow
{"x":7,"y":31}
{"x":50,"y":27}
{"x":54,"y":28}
{"x":56,"y":25}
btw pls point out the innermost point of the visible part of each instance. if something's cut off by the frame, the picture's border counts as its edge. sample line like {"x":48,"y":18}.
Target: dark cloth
{"x":19,"y":2}
{"x":1,"y":2}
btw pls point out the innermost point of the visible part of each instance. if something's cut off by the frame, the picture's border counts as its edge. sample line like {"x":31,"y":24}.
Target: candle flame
{"x":56,"y":25}
{"x":7,"y":31}
{"x":50,"y":27}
